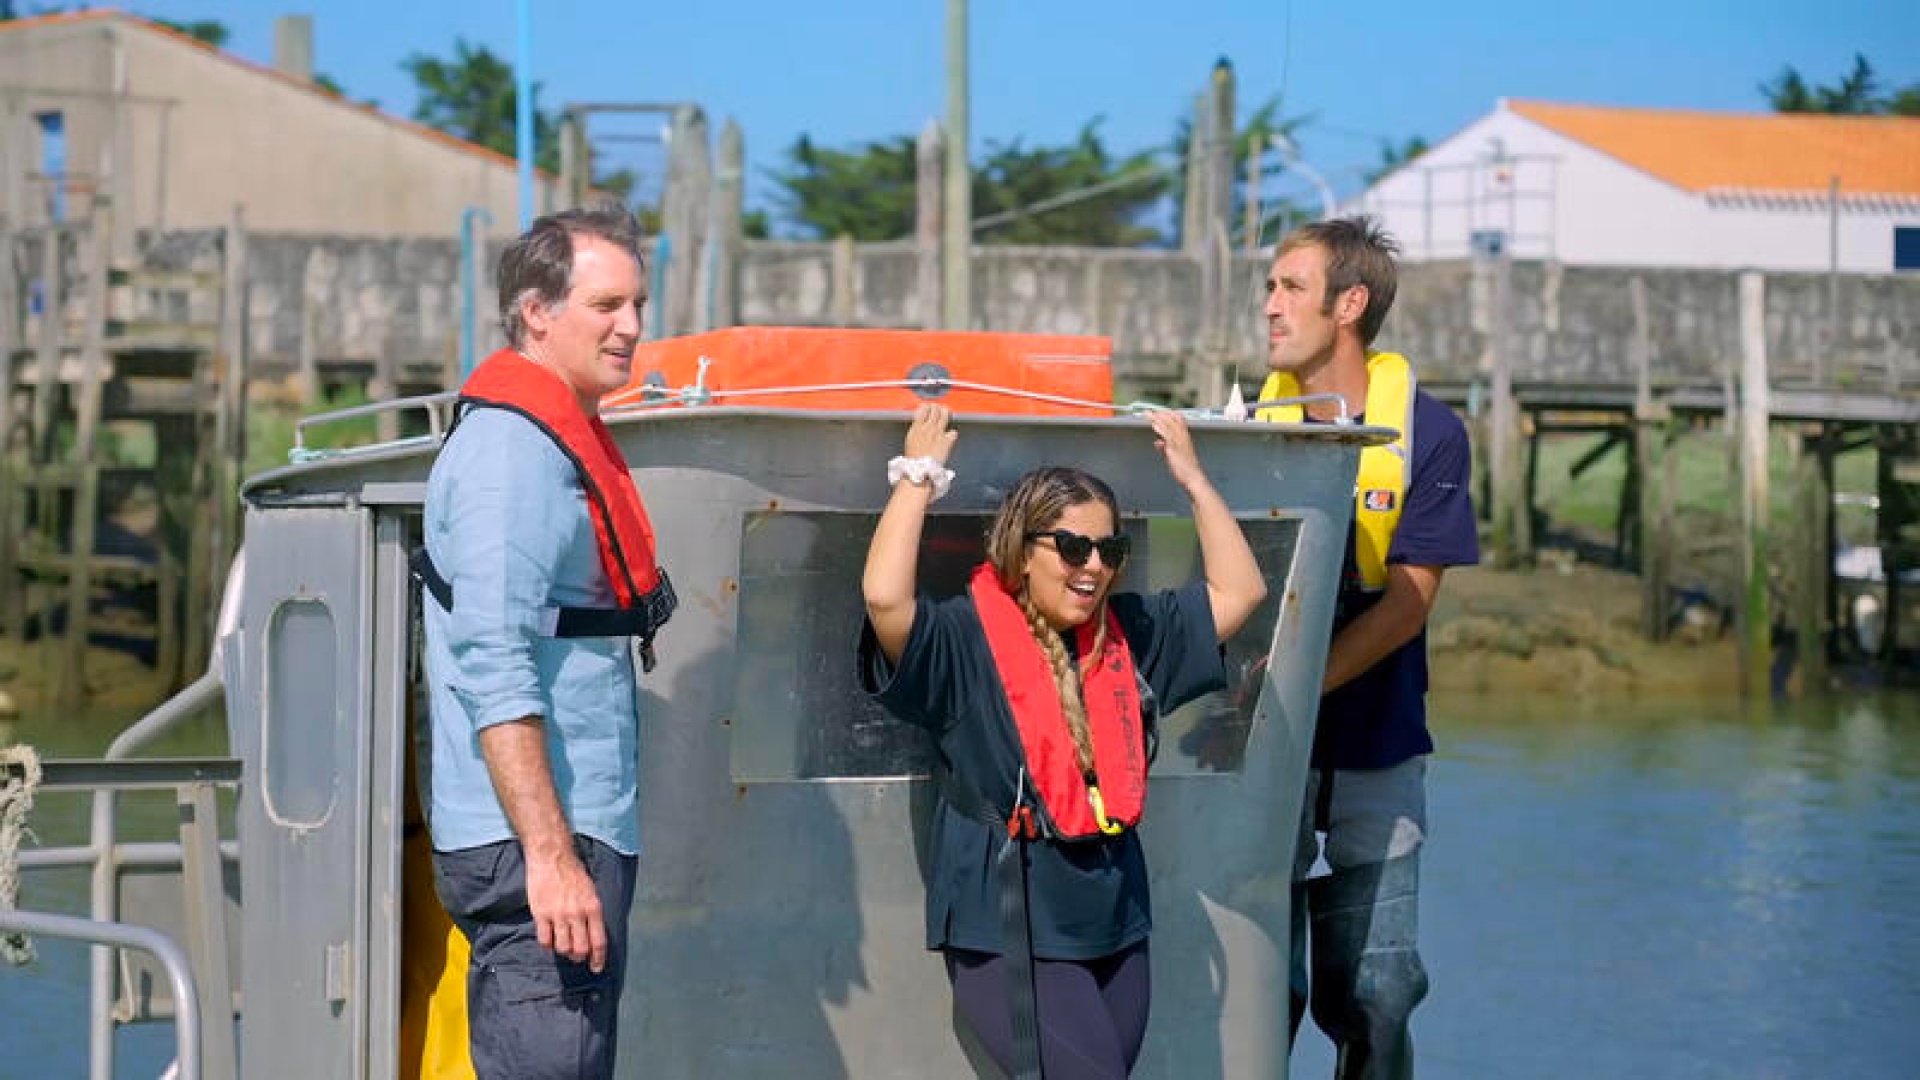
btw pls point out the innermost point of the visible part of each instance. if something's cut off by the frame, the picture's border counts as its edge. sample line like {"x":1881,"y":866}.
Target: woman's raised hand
{"x":1175,"y":443}
{"x":929,"y":436}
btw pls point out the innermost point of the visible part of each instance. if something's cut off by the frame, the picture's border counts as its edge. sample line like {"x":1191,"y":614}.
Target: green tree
{"x":866,"y":193}
{"x":1396,"y":155}
{"x":1255,"y":136}
{"x":1856,"y":94}
{"x":210,"y":31}
{"x":473,"y":96}
{"x":1073,"y":194}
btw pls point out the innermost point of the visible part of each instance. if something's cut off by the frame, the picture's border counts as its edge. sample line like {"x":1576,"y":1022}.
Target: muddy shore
{"x":1571,"y":630}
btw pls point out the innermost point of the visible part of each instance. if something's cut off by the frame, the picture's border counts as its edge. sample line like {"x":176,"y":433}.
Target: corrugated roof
{"x":1746,"y":152}
{"x":433,"y":134}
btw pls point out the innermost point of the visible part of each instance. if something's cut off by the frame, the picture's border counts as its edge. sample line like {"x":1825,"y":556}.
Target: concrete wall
{"x":204,"y":130}
{"x":1561,"y":199}
{"x":368,"y":299}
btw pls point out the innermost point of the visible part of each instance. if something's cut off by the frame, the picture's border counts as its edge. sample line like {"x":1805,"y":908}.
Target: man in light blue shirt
{"x":534,"y":733}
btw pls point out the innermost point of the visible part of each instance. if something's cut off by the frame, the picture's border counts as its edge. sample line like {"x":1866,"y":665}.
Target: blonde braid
{"x":1066,"y":680}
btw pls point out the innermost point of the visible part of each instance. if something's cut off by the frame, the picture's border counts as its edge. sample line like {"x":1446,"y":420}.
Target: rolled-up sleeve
{"x":498,"y":534}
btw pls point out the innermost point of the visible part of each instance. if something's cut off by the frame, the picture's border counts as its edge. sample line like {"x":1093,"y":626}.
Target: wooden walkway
{"x":1642,"y":422}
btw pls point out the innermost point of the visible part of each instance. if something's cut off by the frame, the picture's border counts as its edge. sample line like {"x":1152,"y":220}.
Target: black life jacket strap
{"x":1022,"y":827}
{"x":643,"y":620}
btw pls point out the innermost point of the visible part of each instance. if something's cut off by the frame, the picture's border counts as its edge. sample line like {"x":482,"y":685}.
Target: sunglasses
{"x":1077,"y":549}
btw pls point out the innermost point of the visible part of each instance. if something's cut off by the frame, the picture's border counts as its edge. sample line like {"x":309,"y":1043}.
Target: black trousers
{"x":532,"y":1014}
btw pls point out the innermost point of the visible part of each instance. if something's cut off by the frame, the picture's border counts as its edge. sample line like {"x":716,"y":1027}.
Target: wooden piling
{"x":10,"y":340}
{"x":308,"y":375}
{"x":727,"y":242}
{"x":1812,"y":558}
{"x":929,"y":163}
{"x":84,"y":524}
{"x":220,"y":523}
{"x":1649,"y":448}
{"x":1755,"y":612}
{"x":842,"y":280}
{"x":47,"y":353}
{"x":1504,"y":425}
{"x":1193,"y":204}
{"x":1897,"y":476}
{"x":685,"y":216}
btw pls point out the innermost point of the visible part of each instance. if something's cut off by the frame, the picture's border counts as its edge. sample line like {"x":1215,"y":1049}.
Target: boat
{"x":777,"y":929}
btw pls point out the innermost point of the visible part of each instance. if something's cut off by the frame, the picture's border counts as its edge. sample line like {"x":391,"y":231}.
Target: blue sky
{"x":846,"y":71}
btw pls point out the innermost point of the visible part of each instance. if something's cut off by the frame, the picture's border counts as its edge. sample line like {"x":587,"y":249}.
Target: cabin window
{"x":1906,"y":248}
{"x":798,"y":712}
{"x":302,"y":717}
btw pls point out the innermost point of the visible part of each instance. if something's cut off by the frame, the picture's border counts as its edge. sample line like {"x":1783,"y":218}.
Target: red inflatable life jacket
{"x":1074,"y":805}
{"x":507,"y":380}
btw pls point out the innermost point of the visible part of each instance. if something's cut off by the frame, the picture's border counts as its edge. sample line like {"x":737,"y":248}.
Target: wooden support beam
{"x":1616,"y":437}
{"x":1755,"y":615}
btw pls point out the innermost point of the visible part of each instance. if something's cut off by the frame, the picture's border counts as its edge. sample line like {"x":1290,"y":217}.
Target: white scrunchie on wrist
{"x":920,"y":470}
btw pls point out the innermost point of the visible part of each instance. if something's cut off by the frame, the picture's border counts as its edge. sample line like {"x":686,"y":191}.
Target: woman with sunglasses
{"x":1038,"y":683}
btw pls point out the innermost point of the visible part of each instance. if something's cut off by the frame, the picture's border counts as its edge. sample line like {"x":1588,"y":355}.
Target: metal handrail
{"x":430,"y":403}
{"x":186,"y":1017}
{"x":139,"y":855}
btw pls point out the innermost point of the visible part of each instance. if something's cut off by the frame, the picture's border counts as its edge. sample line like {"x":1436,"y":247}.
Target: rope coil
{"x":19,"y":778}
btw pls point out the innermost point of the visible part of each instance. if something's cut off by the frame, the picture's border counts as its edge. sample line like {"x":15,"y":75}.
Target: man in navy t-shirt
{"x":1329,"y":291}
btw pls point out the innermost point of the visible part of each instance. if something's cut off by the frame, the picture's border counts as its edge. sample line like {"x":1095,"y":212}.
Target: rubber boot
{"x":1367,"y":975}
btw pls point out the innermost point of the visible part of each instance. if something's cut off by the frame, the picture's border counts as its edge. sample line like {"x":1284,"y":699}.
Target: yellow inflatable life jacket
{"x":1380,"y":489}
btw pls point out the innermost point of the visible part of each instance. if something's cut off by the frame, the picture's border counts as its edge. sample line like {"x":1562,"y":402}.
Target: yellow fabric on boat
{"x":433,"y":963}
{"x":1380,"y":489}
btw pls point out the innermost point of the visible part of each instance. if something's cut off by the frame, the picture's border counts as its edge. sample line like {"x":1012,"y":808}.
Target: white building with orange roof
{"x":1599,"y":186}
{"x":178,"y":132}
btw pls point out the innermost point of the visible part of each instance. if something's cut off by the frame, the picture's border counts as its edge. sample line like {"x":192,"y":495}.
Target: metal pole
{"x":523,"y":113}
{"x":956,"y":263}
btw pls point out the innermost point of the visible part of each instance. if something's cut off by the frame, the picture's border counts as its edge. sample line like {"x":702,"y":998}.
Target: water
{"x":43,"y":1008}
{"x":1670,"y":890}
{"x":1656,"y":890}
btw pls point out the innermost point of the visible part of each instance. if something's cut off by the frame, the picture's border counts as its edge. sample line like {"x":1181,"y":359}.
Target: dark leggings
{"x":1093,"y":1013}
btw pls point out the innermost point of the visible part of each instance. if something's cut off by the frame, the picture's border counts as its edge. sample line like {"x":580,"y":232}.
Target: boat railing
{"x":648,"y":396}
{"x":186,"y":1019}
{"x":431,"y":404}
{"x":197,"y":977}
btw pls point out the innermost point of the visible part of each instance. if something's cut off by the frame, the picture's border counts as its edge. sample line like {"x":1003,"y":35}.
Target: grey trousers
{"x":531,"y":1013}
{"x":1363,"y":974}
